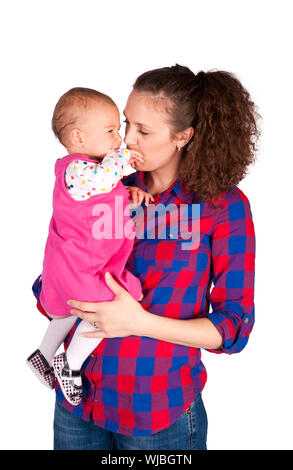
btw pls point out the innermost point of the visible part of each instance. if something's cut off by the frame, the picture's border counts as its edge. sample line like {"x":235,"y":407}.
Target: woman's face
{"x":148,"y":132}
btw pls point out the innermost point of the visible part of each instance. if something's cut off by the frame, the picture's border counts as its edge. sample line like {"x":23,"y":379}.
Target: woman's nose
{"x":129,"y":138}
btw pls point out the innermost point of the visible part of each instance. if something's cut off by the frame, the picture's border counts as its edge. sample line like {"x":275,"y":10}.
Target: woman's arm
{"x":195,"y":333}
{"x":124,"y":316}
{"x":227,"y":328}
{"x":233,"y":262}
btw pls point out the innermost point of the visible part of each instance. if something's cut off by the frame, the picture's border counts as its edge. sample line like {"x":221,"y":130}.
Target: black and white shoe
{"x":65,"y":376}
{"x":41,"y":368}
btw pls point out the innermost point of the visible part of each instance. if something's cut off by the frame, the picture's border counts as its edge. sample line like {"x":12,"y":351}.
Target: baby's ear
{"x":77,"y":137}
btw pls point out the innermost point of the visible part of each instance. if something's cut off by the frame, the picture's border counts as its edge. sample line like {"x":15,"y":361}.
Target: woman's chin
{"x":140,"y":166}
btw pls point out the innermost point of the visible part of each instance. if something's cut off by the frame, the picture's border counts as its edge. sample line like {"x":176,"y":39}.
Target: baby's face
{"x":100,"y":127}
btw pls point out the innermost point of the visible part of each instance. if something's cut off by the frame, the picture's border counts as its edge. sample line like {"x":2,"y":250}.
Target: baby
{"x":87,"y":195}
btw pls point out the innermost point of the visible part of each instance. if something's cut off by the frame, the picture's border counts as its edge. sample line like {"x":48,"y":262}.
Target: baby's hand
{"x":135,"y":159}
{"x":138,"y":195}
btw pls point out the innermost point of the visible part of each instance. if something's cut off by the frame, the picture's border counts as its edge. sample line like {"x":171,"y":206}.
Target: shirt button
{"x":93,"y":356}
{"x":189,"y":411}
{"x":246,"y":320}
{"x":171,"y":235}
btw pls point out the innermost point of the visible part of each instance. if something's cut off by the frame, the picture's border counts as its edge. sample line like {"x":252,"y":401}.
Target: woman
{"x":143,"y":383}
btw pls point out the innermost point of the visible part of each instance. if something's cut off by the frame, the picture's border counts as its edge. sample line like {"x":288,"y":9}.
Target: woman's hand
{"x":121,"y":317}
{"x":124,"y":316}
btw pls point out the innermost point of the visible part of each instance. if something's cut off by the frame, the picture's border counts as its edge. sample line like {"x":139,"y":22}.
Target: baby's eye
{"x":143,"y":133}
{"x":111,"y":130}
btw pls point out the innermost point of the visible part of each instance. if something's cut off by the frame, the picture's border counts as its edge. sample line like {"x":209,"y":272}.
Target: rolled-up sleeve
{"x":36,"y":288}
{"x":233,"y":272}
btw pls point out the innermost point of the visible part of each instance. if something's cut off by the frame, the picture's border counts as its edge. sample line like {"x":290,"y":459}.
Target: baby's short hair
{"x":68,"y":108}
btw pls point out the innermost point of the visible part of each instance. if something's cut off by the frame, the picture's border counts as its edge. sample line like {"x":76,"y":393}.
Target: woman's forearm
{"x":196,"y":333}
{"x":124,"y":316}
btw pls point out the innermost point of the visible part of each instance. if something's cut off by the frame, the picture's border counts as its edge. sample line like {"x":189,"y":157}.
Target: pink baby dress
{"x":86,"y":239}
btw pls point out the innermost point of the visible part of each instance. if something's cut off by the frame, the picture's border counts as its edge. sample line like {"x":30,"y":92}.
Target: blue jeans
{"x":189,"y":432}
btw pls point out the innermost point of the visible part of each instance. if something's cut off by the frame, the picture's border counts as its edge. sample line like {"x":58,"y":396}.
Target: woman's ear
{"x":77,"y":137}
{"x":183,"y":137}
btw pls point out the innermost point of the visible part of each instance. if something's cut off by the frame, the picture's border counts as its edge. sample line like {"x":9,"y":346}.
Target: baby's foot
{"x":67,"y":379}
{"x":41,"y":368}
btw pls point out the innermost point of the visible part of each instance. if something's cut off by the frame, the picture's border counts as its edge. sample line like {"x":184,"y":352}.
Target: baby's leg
{"x":81,"y":347}
{"x":56,"y":333}
{"x":40,"y":361}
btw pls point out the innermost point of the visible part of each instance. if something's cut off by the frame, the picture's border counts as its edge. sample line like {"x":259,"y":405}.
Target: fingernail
{"x":107,"y":275}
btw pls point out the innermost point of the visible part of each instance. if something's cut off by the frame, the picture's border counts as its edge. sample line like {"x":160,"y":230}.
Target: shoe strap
{"x":66,"y":371}
{"x":70,"y":373}
{"x":49,"y":372}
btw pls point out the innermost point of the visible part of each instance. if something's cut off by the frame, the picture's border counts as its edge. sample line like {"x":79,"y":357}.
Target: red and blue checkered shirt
{"x":139,"y":385}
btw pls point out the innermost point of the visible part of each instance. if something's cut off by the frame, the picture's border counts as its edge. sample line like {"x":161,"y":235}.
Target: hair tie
{"x":199,"y":83}
{"x":201,"y":75}
{"x":201,"y":78}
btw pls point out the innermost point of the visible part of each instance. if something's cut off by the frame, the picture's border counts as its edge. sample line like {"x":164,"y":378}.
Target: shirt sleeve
{"x":233,"y":262}
{"x":85,"y":179}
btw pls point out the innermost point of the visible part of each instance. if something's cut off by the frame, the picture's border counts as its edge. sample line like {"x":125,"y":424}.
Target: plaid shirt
{"x":139,"y":385}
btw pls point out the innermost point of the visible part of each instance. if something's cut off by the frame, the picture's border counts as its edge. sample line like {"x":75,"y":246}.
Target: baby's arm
{"x":85,"y":179}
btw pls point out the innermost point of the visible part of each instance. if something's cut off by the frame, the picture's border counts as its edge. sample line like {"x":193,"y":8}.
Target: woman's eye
{"x":140,"y":131}
{"x":111,"y":130}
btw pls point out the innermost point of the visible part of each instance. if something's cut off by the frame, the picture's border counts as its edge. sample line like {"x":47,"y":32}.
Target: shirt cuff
{"x":233,"y":328}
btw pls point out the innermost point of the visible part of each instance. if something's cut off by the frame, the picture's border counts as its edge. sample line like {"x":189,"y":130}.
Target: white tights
{"x":79,"y":348}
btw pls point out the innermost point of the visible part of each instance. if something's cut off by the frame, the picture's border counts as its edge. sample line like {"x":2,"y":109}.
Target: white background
{"x":48,"y":47}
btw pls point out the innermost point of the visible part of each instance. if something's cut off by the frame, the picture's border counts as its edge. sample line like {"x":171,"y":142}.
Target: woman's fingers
{"x":113,"y":285}
{"x":90,"y":317}
{"x":85,"y":310}
{"x":94,"y":334}
{"x":83,"y":306}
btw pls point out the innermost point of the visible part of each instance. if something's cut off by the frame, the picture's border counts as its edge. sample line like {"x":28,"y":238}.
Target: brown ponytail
{"x":223,"y":116}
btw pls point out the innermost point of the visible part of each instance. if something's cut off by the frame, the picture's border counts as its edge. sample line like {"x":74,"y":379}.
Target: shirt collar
{"x":177,"y":188}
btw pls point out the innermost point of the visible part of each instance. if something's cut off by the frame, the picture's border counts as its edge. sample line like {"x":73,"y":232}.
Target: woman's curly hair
{"x":224,"y":119}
